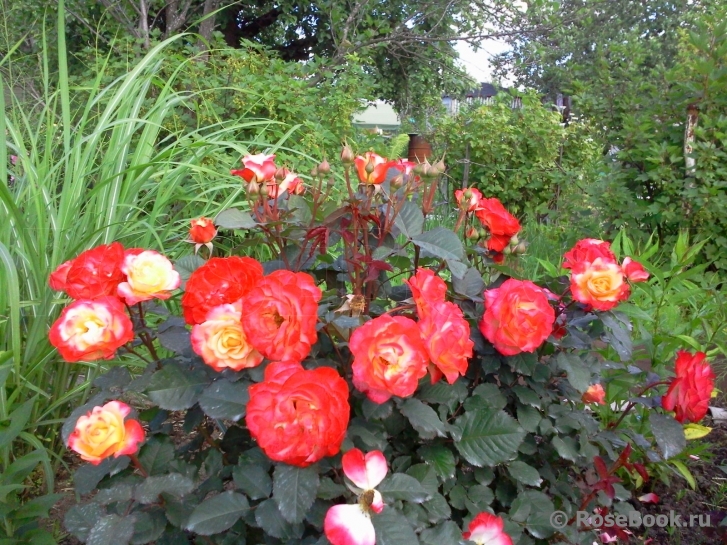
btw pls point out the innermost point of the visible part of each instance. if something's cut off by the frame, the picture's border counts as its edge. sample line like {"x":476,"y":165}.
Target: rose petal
{"x":367,"y":471}
{"x":349,"y":525}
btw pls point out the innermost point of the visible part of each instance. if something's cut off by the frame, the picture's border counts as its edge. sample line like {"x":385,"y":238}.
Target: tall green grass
{"x":94,"y":165}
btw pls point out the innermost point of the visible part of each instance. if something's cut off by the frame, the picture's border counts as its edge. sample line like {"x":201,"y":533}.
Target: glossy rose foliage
{"x":280,"y":315}
{"x":91,"y":330}
{"x":518,"y":317}
{"x":690,"y":391}
{"x":104,"y":432}
{"x":298,"y":416}
{"x":94,"y":273}
{"x":389,"y":357}
{"x":221,"y":341}
{"x":222,"y":280}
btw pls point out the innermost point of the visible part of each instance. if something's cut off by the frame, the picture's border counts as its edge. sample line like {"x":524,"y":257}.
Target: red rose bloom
{"x":634,"y":271}
{"x":389,"y":357}
{"x":518,"y":317}
{"x":91,"y":330}
{"x":94,"y":273}
{"x":690,"y":391}
{"x":446,"y":336}
{"x":220,"y":281}
{"x":426,"y":289}
{"x":298,"y":416}
{"x":588,"y":250}
{"x":594,"y":394}
{"x":377,"y":164}
{"x":501,"y":224}
{"x":280,"y":315}
{"x":202,"y":231}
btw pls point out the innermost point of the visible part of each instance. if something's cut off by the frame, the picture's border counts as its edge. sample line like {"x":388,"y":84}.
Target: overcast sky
{"x":478,"y":64}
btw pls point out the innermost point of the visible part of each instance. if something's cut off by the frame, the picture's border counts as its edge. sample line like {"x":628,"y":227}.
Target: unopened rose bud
{"x":314,"y":172}
{"x":418,"y":170}
{"x":472,"y":233}
{"x":514,"y":240}
{"x":507,"y":250}
{"x":264,"y":190}
{"x":347,"y":155}
{"x":467,"y":194}
{"x":253,"y":188}
{"x":397,"y":181}
{"x":281,"y":173}
{"x":439,"y":167}
{"x":324,"y":168}
{"x":520,"y":249}
{"x":370,"y":166}
{"x":483,"y":233}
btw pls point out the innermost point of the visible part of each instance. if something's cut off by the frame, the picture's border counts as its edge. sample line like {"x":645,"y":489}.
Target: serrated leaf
{"x":119,"y":492}
{"x":253,"y":480}
{"x":446,"y":533}
{"x":618,"y":334}
{"x":423,"y":418}
{"x":186,"y":265}
{"x":409,"y":221}
{"x":401,"y":486}
{"x":440,"y":242}
{"x":487,"y":437}
{"x":173,"y":484}
{"x":392,"y":528}
{"x":529,"y":418}
{"x":218,"y":513}
{"x":440,"y":458}
{"x":149,"y":526}
{"x":156,"y":455}
{"x":520,"y":471}
{"x":87,"y":477}
{"x":329,"y":490}
{"x":526,"y":396}
{"x":294,"y":490}
{"x":470,"y":285}
{"x":116,"y":377}
{"x":567,"y":450}
{"x":579,"y":375}
{"x":112,"y":530}
{"x":457,"y":268}
{"x":225,"y":399}
{"x":233,"y":218}
{"x":669,"y":434}
{"x":176,"y":388}
{"x":267,"y":516}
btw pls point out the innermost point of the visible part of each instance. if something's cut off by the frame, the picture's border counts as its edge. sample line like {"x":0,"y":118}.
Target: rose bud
{"x":324,"y":168}
{"x":347,"y":155}
{"x":202,"y":231}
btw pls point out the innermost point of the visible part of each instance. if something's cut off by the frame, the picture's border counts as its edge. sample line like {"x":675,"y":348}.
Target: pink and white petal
{"x":376,"y":468}
{"x":377,"y":505}
{"x":119,"y":407}
{"x":349,"y":525}
{"x":354,"y":467}
{"x":649,"y":498}
{"x":487,"y":529}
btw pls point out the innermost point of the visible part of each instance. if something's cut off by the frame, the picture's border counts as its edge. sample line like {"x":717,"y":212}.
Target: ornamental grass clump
{"x":372,"y":382}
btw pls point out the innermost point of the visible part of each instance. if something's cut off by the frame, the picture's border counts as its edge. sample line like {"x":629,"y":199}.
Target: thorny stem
{"x":137,"y":465}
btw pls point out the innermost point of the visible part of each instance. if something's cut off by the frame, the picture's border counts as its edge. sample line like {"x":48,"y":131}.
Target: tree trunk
{"x":207,"y":26}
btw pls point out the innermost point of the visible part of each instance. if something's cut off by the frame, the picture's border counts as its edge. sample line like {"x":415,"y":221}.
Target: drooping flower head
{"x":91,"y":330}
{"x":280,"y":315}
{"x":518,"y":317}
{"x":103,"y":432}
{"x":221,"y":341}
{"x":389,"y":357}
{"x":487,"y":529}
{"x":371,"y":168}
{"x":222,"y":280}
{"x":690,"y":391}
{"x":149,"y":275}
{"x":298,"y":416}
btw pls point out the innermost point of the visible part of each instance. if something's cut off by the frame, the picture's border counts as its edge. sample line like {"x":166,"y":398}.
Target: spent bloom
{"x":690,"y":391}
{"x":104,"y":432}
{"x":351,"y":524}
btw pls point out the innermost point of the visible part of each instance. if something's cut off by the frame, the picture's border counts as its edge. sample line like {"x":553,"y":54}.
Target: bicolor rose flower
{"x":220,"y":281}
{"x":649,"y":498}
{"x":281,"y":314}
{"x":389,"y":357}
{"x":258,"y":168}
{"x":690,"y":391}
{"x":446,"y":336}
{"x":501,"y":224}
{"x":149,"y":275}
{"x":298,"y":416}
{"x":426,"y":289}
{"x":103,"y":432}
{"x":91,"y":330}
{"x":94,"y":273}
{"x":487,"y":529}
{"x":290,"y":183}
{"x":404,"y":166}
{"x":594,"y":394}
{"x":351,"y":524}
{"x":221,"y":341}
{"x":588,"y":250}
{"x":202,"y":231}
{"x":518,"y":317}
{"x":372,"y":168}
{"x":634,"y":271}
{"x":600,"y":284}
{"x":468,"y":199}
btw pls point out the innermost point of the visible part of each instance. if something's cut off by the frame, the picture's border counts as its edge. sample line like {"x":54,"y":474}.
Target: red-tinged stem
{"x":632,"y":403}
{"x":460,"y":220}
{"x":137,"y":465}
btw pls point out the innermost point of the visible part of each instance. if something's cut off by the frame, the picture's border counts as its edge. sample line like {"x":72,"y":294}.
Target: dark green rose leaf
{"x":579,"y":375}
{"x":80,"y":519}
{"x":149,"y":526}
{"x":392,"y":528}
{"x":470,"y":285}
{"x":225,"y":399}
{"x":186,"y":265}
{"x":87,"y":477}
{"x":423,"y":418}
{"x":267,"y":516}
{"x":294,"y":490}
{"x":520,"y":471}
{"x":669,"y":434}
{"x":218,"y":513}
{"x":409,"y":221}
{"x":233,"y":218}
{"x":400,"y":486}
{"x":175,"y":387}
{"x":112,"y":530}
{"x":253,"y":480}
{"x":173,"y":484}
{"x":446,"y":533}
{"x":440,"y":458}
{"x":156,"y":455}
{"x":487,"y":437}
{"x":440,"y":242}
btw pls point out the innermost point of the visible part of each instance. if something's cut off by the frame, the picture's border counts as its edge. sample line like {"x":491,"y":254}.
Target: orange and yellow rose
{"x":389,"y":357}
{"x":594,"y":394}
{"x":91,"y":330}
{"x":221,"y":341}
{"x":518,"y":317}
{"x":426,"y":289}
{"x":446,"y":336}
{"x":149,"y":275}
{"x":104,"y":432}
{"x":600,"y":284}
{"x":280,"y":315}
{"x":372,"y":168}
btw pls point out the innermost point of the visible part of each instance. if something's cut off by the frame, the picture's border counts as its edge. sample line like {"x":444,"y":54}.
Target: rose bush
{"x":374,"y":382}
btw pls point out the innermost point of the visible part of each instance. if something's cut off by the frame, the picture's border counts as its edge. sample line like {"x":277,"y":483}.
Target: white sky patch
{"x":477,"y":63}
